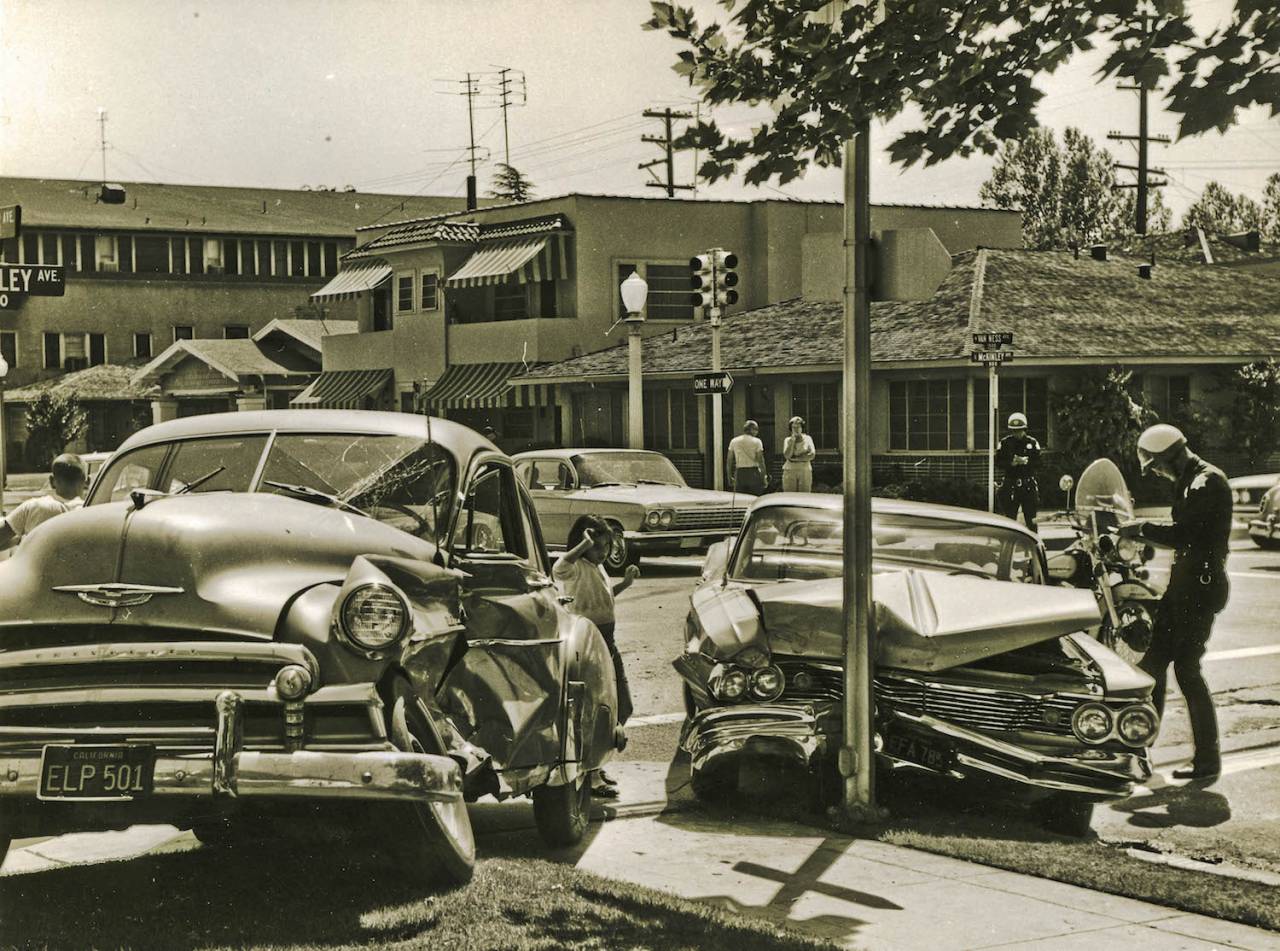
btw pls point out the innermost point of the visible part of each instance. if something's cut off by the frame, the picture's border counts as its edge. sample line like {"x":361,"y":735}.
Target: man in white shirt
{"x":67,"y":480}
{"x":748,"y":470}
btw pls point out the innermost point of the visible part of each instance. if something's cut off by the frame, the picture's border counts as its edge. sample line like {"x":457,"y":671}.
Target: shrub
{"x":53,"y":421}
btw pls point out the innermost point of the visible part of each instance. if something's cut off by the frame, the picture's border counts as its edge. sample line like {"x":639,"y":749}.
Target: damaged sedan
{"x":983,"y":673}
{"x":343,"y":620}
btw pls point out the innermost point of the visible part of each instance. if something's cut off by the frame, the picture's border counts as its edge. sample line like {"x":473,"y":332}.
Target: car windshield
{"x":625,"y":468}
{"x":790,"y":543}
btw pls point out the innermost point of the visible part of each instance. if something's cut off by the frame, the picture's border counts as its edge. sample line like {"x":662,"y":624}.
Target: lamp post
{"x":634,"y":291}
{"x":4,"y":456}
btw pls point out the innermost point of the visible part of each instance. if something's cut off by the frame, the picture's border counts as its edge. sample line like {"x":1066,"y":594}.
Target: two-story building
{"x":452,"y":306}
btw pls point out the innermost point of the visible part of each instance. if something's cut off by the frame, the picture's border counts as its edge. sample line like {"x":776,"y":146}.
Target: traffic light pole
{"x":993,"y":397}
{"x":717,"y":416}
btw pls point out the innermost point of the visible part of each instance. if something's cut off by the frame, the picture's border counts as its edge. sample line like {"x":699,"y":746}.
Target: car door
{"x":551,"y":483}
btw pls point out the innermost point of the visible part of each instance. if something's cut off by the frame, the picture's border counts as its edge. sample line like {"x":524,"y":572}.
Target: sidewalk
{"x":858,"y":893}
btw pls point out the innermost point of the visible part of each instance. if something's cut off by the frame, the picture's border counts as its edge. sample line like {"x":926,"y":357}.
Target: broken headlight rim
{"x":374,"y":616}
{"x":1092,"y":723}
{"x":728,"y":683}
{"x":1137,"y":725}
{"x":767,"y":683}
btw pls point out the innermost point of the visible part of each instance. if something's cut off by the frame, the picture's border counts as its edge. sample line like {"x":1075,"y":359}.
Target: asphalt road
{"x":1235,"y":821}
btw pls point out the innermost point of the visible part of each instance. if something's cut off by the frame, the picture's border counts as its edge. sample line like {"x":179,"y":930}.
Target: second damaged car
{"x":983,"y":672}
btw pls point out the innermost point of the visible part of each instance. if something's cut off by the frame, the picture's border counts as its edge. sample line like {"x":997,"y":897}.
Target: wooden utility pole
{"x":668,"y":159}
{"x":1142,"y":169}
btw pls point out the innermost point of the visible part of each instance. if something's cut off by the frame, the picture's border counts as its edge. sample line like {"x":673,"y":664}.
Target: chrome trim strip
{"x":1057,"y":784}
{"x":237,"y":651}
{"x":95,"y":695}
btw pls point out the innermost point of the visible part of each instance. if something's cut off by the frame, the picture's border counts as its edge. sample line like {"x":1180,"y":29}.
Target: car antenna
{"x":435,"y":512}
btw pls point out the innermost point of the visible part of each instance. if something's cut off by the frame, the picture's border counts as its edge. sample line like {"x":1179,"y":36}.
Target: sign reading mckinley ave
{"x":20,"y":281}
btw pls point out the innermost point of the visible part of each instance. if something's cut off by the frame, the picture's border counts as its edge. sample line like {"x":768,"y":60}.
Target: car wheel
{"x":1065,"y":815}
{"x":620,"y":554}
{"x":714,"y":785}
{"x":563,"y":812}
{"x":434,"y":839}
{"x":1262,"y":541}
{"x":4,"y":847}
{"x":216,"y":833}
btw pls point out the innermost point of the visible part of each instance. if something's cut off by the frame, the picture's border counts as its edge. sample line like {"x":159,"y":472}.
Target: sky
{"x":287,"y":93}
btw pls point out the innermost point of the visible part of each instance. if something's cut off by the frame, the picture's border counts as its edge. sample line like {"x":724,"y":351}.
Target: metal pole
{"x":4,"y":456}
{"x":992,"y":394}
{"x":856,"y":760}
{"x":635,"y":393}
{"x":717,"y":418}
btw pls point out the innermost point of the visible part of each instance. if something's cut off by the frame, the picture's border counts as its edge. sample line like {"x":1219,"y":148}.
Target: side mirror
{"x":716,"y":563}
{"x":1066,"y":483}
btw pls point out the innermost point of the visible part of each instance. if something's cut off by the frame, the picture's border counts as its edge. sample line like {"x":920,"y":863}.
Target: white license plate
{"x":691,"y":541}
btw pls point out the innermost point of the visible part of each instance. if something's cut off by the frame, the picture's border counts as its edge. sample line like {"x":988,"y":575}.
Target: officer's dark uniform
{"x":1197,"y":591}
{"x":1018,"y":487}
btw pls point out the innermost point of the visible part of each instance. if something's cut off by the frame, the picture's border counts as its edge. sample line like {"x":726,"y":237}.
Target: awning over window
{"x":350,"y":281}
{"x":343,"y":389}
{"x":483,"y":385}
{"x":531,"y":259}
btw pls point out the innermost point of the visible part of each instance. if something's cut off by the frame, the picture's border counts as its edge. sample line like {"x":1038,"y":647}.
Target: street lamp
{"x":634,"y":291}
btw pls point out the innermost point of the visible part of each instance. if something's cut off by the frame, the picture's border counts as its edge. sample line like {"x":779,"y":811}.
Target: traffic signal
{"x":714,"y":279}
{"x":702,"y":280}
{"x":726,"y":277}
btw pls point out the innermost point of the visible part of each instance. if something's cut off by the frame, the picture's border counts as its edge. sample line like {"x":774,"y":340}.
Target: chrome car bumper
{"x":231,"y":772}
{"x":1265,"y":527}
{"x":805,"y":732}
{"x":691,"y":540}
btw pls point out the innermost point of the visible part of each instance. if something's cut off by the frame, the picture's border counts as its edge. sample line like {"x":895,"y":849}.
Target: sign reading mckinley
{"x":990,"y":356}
{"x":34,"y":280}
{"x":705,"y":384}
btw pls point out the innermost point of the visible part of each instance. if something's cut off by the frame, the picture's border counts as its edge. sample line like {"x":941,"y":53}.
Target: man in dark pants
{"x":1018,"y":457}
{"x":1198,"y":585}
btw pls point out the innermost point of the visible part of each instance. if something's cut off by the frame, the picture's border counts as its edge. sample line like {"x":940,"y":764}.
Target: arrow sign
{"x":37,"y":280}
{"x":993,"y":338}
{"x":990,"y":356}
{"x":705,"y":384}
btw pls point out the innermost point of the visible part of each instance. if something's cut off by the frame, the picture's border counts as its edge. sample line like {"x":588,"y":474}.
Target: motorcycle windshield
{"x":1102,"y":489}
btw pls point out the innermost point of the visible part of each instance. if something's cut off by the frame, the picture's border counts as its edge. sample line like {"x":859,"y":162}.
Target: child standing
{"x":581,"y":576}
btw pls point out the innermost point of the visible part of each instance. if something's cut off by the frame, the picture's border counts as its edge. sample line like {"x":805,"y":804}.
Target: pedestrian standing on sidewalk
{"x":581,"y":576}
{"x":1018,"y":458}
{"x":1198,"y":586}
{"x":748,"y":470}
{"x":66,"y":480}
{"x":798,"y":453}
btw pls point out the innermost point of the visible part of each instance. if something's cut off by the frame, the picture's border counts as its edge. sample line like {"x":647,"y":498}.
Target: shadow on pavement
{"x":1192,"y":805}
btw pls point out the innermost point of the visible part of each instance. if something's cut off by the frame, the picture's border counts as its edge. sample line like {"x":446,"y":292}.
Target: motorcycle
{"x":1114,"y":568}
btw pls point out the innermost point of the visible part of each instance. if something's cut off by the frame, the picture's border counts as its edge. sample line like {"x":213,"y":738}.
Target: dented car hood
{"x":924,"y":620}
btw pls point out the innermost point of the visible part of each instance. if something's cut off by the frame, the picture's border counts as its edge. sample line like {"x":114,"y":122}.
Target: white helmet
{"x":1157,"y":442}
{"x":1017,"y":421}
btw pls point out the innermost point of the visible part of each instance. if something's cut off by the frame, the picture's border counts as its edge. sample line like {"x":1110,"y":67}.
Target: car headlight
{"x":727,"y":683}
{"x":374,"y":616}
{"x":666,"y":517}
{"x":767,"y":683}
{"x":1137,"y":725}
{"x":293,"y":682}
{"x":1092,"y":722}
{"x":651,"y":519}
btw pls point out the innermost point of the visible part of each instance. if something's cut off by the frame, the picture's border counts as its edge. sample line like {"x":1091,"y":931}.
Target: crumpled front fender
{"x":797,"y":733}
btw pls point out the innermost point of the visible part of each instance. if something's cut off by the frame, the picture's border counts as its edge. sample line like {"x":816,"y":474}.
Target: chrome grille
{"x":709,"y":517}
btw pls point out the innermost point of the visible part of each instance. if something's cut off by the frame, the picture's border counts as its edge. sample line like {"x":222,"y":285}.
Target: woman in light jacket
{"x":797,"y":458}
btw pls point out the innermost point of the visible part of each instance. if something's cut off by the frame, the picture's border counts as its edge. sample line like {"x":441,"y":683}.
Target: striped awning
{"x":539,"y":258}
{"x":343,"y":389}
{"x":351,"y":281}
{"x":485,"y":386}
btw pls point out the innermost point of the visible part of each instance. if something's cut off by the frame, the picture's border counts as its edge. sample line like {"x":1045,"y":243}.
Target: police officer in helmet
{"x":1018,"y":457}
{"x":1198,"y":586}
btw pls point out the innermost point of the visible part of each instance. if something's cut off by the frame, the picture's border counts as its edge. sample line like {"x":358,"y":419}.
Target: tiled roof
{"x":454,"y":230}
{"x":107,"y":381}
{"x":232,"y":358}
{"x":1186,"y":246}
{"x":211,"y":209}
{"x":1057,"y":306}
{"x":308,"y":332}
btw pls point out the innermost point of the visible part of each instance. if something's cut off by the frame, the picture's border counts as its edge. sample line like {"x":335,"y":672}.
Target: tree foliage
{"x":1254,"y":422}
{"x":1066,"y":192}
{"x":967,"y":66}
{"x":53,"y":420}
{"x":510,"y":184}
{"x":1271,"y":208}
{"x":1217,"y":209}
{"x":1100,"y":417}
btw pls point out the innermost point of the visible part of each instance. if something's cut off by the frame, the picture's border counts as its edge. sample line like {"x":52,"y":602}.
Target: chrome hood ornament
{"x":117,"y":594}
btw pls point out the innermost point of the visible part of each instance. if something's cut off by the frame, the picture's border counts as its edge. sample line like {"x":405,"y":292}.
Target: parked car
{"x":257,"y":613}
{"x":982,"y":672}
{"x":93,"y":464}
{"x":1264,"y":526}
{"x":641,"y":494}
{"x":1247,"y":492}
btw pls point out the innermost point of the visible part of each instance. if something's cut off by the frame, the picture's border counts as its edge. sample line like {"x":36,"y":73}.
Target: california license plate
{"x":691,"y":541}
{"x":913,"y":749}
{"x":97,"y":773}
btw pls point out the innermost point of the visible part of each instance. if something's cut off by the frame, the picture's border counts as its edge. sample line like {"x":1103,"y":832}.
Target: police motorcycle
{"x":1114,"y":568}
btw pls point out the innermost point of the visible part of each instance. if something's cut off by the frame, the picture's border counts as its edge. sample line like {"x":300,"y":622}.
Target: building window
{"x":819,"y":405}
{"x":262,"y":258}
{"x":178,"y":255}
{"x":75,"y":355}
{"x":231,"y":263}
{"x":88,"y":253}
{"x":546,"y":292}
{"x":152,"y":255}
{"x":183,"y":332}
{"x":9,"y":347}
{"x":927,"y":414}
{"x":104,"y":251}
{"x":670,"y":419}
{"x":70,"y":245}
{"x":30,"y":247}
{"x":404,"y":293}
{"x":280,"y":258}
{"x":97,"y":349}
{"x":297,"y":263}
{"x":430,"y":290}
{"x":669,"y":291}
{"x":313,"y":258}
{"x":195,"y":255}
{"x":331,"y":257}
{"x":213,"y":261}
{"x":1028,"y":395}
{"x":1170,"y":396}
{"x":510,"y":302}
{"x":49,"y":249}
{"x":235,"y":332}
{"x":142,"y":346}
{"x":124,"y":248}
{"x":52,"y":351}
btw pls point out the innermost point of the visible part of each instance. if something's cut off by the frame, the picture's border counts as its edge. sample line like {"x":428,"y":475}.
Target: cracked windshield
{"x":626,"y":468}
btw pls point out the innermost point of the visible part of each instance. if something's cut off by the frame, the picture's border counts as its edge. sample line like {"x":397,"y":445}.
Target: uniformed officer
{"x":1018,"y":457}
{"x":1198,"y":585}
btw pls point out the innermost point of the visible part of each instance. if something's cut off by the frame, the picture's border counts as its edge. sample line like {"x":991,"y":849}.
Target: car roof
{"x":1263,"y":481}
{"x":570,"y":453}
{"x":834,"y":502}
{"x":456,"y":436}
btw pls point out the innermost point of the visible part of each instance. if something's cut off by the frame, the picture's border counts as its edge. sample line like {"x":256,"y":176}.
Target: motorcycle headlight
{"x":767,"y":683}
{"x":1137,"y":725}
{"x":1092,"y":722}
{"x":665,"y":518}
{"x":652,"y":519}
{"x":727,"y":683}
{"x":374,"y":616}
{"x":1127,"y":549}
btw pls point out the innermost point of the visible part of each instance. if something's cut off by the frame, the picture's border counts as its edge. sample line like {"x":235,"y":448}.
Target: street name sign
{"x":705,"y":384}
{"x":36,"y":280}
{"x":996,"y":338}
{"x":990,"y":356}
{"x":10,"y":221}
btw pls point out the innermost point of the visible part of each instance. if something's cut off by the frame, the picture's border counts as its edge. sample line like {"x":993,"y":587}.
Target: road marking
{"x":1239,"y":763}
{"x":655,"y":718}
{"x":1270,"y":576}
{"x":1240,"y":652}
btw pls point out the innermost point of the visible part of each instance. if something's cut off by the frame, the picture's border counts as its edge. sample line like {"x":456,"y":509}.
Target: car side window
{"x":134,"y":470}
{"x":490,"y":522}
{"x":547,"y":474}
